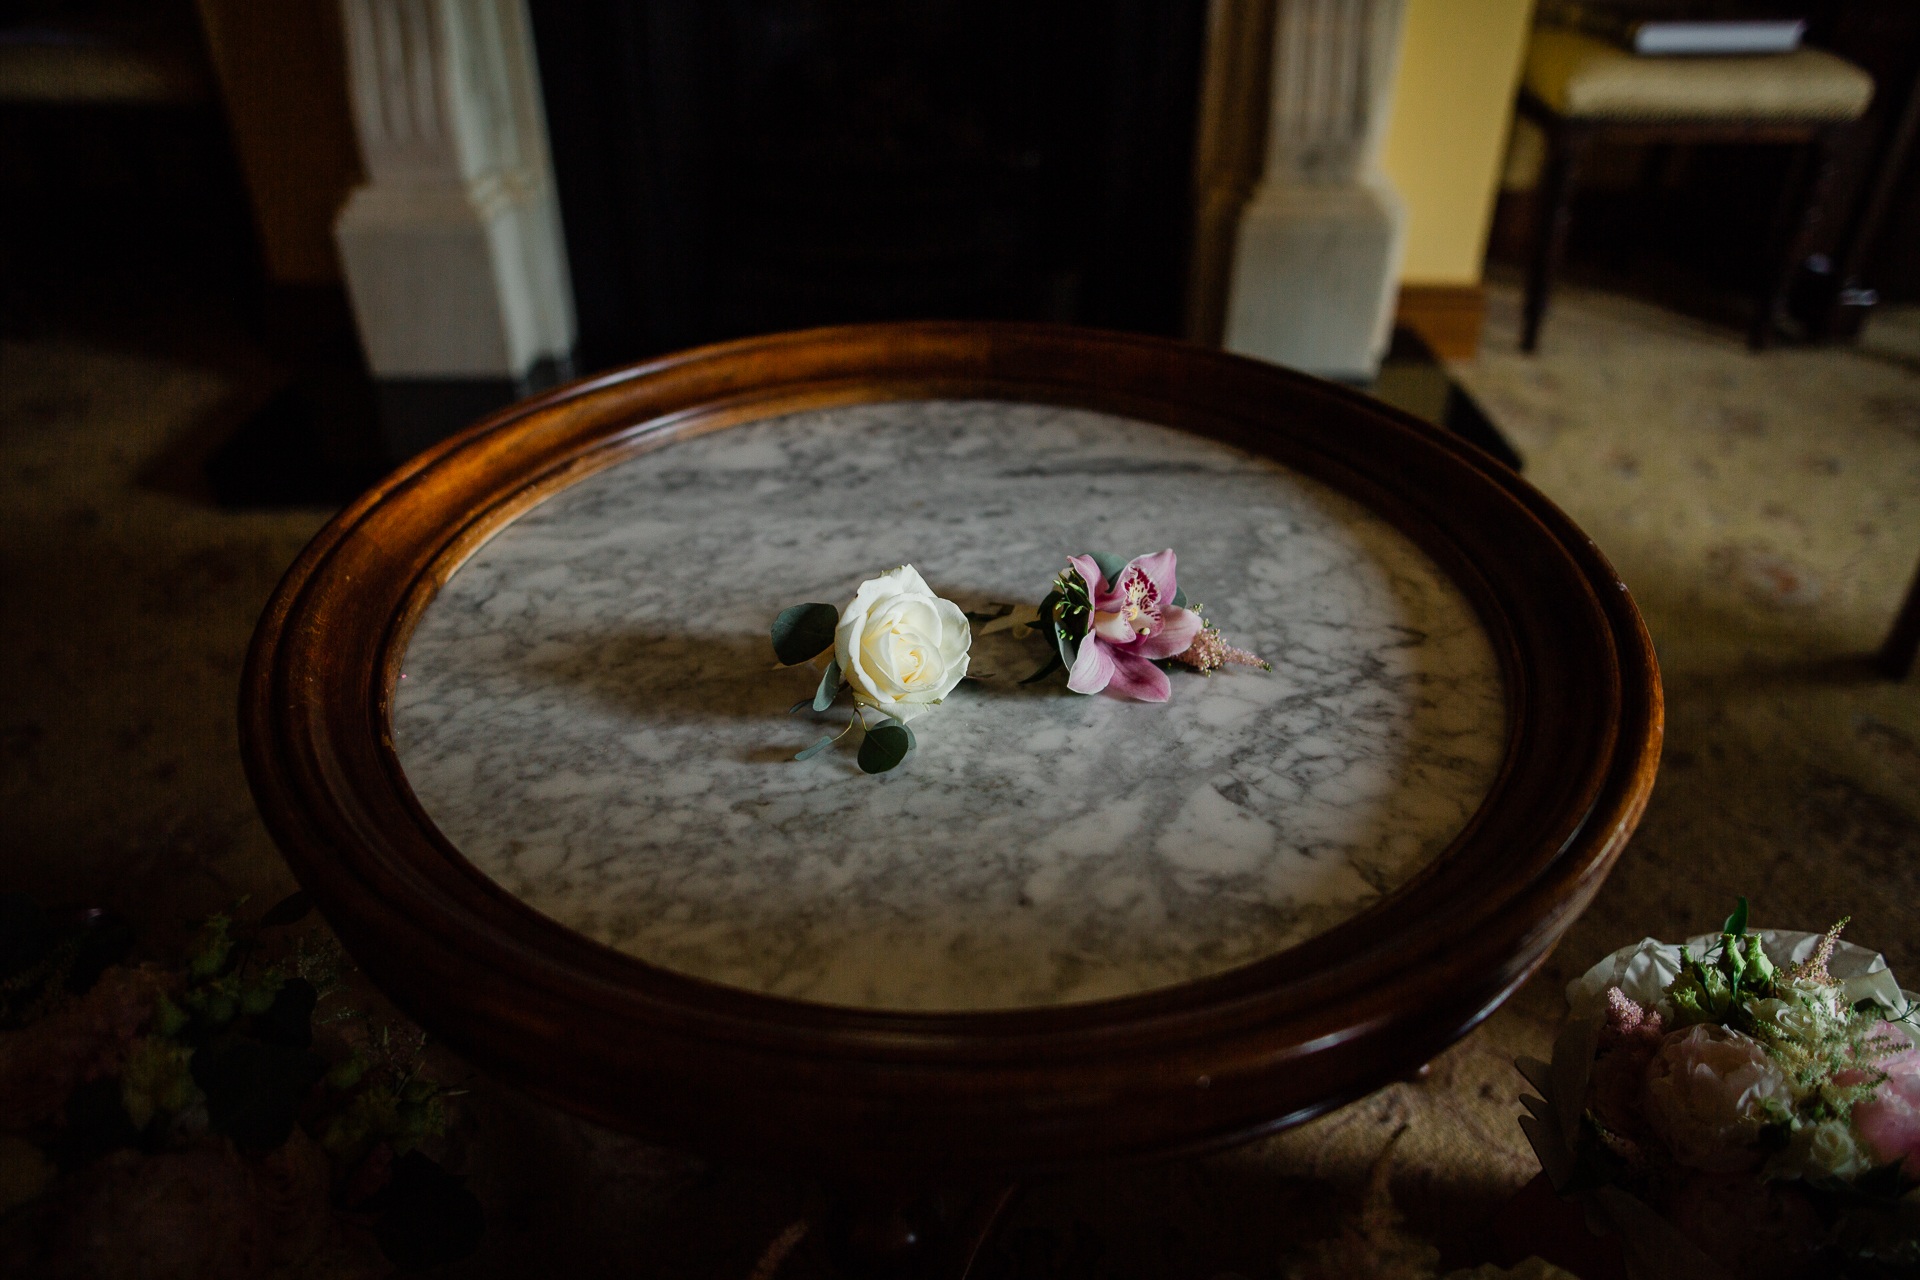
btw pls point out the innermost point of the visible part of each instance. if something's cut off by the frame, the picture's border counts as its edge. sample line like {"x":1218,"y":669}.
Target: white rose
{"x":1794,"y":1021}
{"x":1828,"y":1149}
{"x":901,"y":647}
{"x":1822,"y":1001}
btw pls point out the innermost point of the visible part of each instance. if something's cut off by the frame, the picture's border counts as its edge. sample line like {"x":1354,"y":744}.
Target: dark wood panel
{"x":728,"y":1071}
{"x":283,"y":79}
{"x":732,"y":167}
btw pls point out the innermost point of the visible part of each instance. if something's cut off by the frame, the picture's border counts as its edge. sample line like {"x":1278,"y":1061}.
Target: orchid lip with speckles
{"x":1134,"y":623}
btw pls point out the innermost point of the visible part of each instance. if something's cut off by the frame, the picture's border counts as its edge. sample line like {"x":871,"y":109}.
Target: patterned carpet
{"x":1764,"y":509}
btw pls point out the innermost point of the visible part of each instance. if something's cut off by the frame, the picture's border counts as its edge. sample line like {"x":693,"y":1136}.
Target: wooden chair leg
{"x":1895,"y":658}
{"x":1803,"y":205}
{"x":1567,"y":145}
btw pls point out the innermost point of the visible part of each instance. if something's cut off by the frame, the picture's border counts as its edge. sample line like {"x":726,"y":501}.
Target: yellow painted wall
{"x":1447,"y":136}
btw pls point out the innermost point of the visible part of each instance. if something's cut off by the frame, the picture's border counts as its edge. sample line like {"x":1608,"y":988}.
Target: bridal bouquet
{"x":1747,"y":1104}
{"x":225,"y":1116}
{"x":1117,"y":626}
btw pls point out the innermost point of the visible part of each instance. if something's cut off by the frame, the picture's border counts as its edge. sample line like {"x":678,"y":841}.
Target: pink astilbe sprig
{"x":1814,"y":967}
{"x":1629,"y":1038}
{"x":1209,"y":651}
{"x":1627,"y":1020}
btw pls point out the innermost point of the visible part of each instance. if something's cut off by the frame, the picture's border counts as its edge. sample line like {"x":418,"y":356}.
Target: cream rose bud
{"x":1799,"y":1023}
{"x":1827,"y":1149}
{"x":901,"y":647}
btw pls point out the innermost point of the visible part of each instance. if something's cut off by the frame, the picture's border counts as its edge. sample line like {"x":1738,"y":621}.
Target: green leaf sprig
{"x":229,"y":1050}
{"x":800,"y":635}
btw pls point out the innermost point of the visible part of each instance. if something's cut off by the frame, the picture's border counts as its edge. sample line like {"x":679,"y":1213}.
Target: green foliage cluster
{"x":1716,"y":986}
{"x":1810,"y":1032}
{"x":1801,"y":1015}
{"x":801,"y":634}
{"x":231,"y":1052}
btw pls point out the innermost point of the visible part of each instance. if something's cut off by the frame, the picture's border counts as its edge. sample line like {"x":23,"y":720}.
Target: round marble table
{"x":514,"y":719}
{"x":588,"y":714}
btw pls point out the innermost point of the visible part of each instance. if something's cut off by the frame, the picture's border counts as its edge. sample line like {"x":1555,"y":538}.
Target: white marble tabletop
{"x":589,"y":713}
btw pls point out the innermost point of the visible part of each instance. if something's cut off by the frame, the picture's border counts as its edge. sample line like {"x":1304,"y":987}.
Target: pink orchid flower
{"x":1134,"y":622}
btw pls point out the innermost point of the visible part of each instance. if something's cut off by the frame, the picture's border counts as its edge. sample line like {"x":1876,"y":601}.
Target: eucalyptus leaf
{"x":289,"y":1019}
{"x":829,"y":687}
{"x":911,"y":742}
{"x":818,"y":747}
{"x":885,"y":747}
{"x":254,"y":1090}
{"x":1069,"y":649}
{"x":1110,"y":565}
{"x":1179,"y":597}
{"x":1052,"y":665}
{"x":804,"y":702}
{"x":803,"y":632}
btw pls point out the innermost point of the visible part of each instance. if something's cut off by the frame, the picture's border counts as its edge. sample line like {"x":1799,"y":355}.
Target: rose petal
{"x":1889,"y":1120}
{"x":1135,"y":677}
{"x":901,"y":710}
{"x":1093,"y":668}
{"x":889,"y":616}
{"x":1178,"y":628}
{"x":956,"y":636}
{"x":907,"y":581}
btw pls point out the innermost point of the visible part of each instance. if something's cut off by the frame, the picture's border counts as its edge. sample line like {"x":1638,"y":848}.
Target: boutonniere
{"x":1122,"y":626}
{"x":898,"y":649}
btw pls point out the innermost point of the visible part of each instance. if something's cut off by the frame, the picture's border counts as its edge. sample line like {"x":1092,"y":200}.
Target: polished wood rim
{"x":726,"y":1071}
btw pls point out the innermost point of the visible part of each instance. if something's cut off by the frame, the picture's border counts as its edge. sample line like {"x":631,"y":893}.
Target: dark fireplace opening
{"x":733,"y":167}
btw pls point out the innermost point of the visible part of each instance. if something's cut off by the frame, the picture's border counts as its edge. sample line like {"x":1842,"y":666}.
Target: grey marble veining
{"x":589,"y":714}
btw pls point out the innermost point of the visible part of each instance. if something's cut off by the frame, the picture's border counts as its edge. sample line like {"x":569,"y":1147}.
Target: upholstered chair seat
{"x":1577,"y":75}
{"x":1581,"y":89}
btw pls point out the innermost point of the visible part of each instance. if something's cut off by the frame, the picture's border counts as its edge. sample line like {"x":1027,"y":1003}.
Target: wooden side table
{"x":511,"y":719}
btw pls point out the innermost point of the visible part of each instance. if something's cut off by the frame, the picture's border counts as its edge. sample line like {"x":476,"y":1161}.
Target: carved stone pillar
{"x":453,"y":251}
{"x":1318,"y":249}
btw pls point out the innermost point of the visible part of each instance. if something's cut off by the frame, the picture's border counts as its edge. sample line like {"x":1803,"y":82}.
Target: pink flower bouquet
{"x":1745,"y":1105}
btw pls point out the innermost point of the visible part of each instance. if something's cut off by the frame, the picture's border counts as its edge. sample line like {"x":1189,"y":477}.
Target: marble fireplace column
{"x":1318,"y":248}
{"x":453,"y":251}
